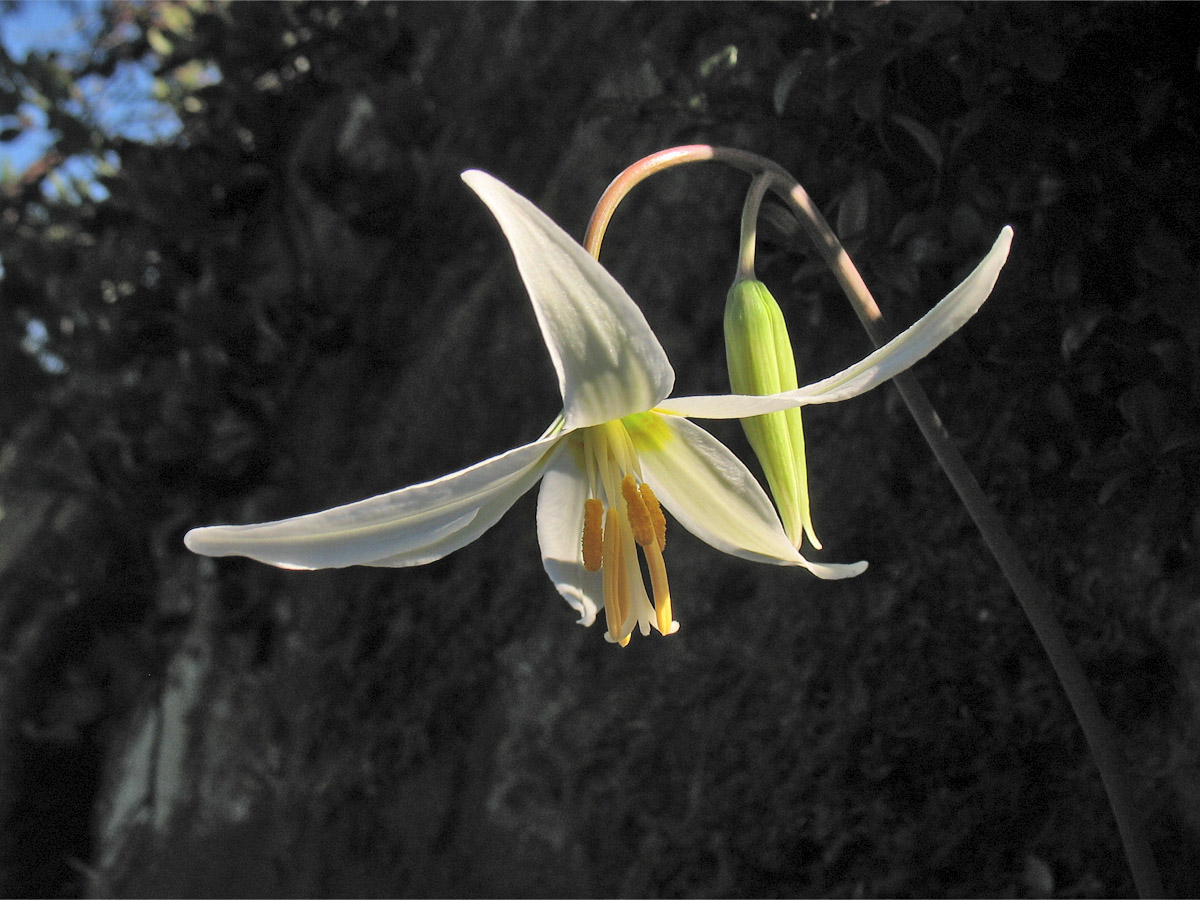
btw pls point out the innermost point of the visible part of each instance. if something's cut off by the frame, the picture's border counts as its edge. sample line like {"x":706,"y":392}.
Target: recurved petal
{"x":713,"y":495}
{"x":727,"y":406}
{"x":834,"y":571}
{"x":609,"y":362}
{"x":898,"y":354}
{"x":409,"y":527}
{"x":560,"y":532}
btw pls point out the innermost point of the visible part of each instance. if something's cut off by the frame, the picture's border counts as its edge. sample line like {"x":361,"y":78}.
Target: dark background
{"x":295,"y":302}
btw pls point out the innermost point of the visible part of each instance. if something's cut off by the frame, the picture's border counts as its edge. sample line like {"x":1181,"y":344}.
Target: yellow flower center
{"x":620,"y":515}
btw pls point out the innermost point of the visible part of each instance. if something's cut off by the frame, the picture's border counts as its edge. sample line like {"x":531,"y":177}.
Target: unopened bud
{"x":759,"y":354}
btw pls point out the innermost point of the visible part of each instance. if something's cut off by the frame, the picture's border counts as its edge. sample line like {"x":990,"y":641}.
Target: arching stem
{"x":1029,"y":591}
{"x":625,"y":182}
{"x":754,"y":198}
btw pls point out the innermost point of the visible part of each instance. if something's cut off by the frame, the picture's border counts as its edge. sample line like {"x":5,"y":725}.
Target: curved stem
{"x":754,"y":198}
{"x":1028,"y":590}
{"x":624,"y":183}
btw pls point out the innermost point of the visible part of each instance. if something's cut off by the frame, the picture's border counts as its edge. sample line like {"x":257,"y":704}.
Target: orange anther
{"x":639,"y":516}
{"x":593,"y":535}
{"x":657,"y":519}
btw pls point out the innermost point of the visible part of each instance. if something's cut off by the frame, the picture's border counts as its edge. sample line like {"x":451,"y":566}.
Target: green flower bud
{"x":759,"y":354}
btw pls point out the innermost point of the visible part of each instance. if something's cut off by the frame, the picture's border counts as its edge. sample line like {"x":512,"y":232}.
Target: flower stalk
{"x":1030,"y":593}
{"x":754,"y":198}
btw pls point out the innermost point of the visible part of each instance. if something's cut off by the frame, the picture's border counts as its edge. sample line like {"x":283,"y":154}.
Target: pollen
{"x":657,"y":519}
{"x":593,"y":535}
{"x":639,"y":516}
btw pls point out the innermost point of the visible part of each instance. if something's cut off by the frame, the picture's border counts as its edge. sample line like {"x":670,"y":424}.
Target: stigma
{"x":621,"y":516}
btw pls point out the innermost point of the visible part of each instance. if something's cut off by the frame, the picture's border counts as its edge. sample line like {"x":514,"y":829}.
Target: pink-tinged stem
{"x":1029,"y":591}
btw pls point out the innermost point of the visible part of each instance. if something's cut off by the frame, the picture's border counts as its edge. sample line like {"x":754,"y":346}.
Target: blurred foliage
{"x":164,"y":316}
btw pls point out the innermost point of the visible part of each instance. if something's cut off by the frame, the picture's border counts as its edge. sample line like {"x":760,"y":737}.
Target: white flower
{"x":618,"y":448}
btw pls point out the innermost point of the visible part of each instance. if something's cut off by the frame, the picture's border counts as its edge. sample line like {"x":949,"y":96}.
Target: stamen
{"x":593,"y":536}
{"x":616,"y":592}
{"x":649,"y":527}
{"x":621,"y":561}
{"x":612,"y":535}
{"x":639,"y":515}
{"x":658,"y":583}
{"x":657,"y":519}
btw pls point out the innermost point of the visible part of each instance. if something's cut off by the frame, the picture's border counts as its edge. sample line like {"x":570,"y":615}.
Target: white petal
{"x":609,"y":362}
{"x":835,"y":571}
{"x":409,"y":527}
{"x":726,"y":406}
{"x":713,"y":495}
{"x":894,"y":357}
{"x":560,"y":533}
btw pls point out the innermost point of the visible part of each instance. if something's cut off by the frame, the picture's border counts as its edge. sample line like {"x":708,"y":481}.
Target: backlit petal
{"x":560,"y":531}
{"x":894,"y":357}
{"x":713,"y":495}
{"x":726,"y":406}
{"x":408,"y":527}
{"x":609,"y":362}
